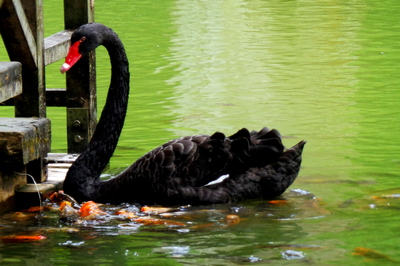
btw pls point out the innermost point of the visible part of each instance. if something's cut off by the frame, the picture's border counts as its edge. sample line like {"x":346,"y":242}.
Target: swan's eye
{"x":82,"y":39}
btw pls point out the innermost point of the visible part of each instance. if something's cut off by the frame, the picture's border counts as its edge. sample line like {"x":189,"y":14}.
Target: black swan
{"x":254,"y":164}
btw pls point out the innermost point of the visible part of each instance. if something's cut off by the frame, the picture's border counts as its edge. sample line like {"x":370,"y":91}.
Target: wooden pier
{"x":25,"y":140}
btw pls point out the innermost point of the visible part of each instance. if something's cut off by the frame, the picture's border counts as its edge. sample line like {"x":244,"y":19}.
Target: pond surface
{"x":324,"y":71}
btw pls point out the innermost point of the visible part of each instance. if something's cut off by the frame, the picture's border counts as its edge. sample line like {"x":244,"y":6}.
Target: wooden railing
{"x":21,"y":27}
{"x":25,"y":139}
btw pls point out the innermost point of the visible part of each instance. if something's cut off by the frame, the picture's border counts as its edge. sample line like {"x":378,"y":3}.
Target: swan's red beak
{"x":72,"y":57}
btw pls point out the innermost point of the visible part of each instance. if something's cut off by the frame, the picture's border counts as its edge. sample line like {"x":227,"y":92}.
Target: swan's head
{"x":84,"y":39}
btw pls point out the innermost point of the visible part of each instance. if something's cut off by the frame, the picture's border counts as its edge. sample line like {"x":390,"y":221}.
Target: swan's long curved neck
{"x":83,"y":175}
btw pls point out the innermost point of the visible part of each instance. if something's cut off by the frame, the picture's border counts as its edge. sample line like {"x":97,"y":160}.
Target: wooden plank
{"x":56,"y":46}
{"x":55,"y":158}
{"x":54,"y":97}
{"x":10,"y":80}
{"x":24,"y":139}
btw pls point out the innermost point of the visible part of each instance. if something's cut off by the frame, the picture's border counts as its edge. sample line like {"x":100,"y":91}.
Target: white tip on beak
{"x":64,"y":68}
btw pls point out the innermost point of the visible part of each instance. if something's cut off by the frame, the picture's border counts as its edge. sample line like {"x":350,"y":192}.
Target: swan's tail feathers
{"x":265,"y":147}
{"x":257,"y":182}
{"x":263,"y":136}
{"x":265,"y":133}
{"x":275,"y":178}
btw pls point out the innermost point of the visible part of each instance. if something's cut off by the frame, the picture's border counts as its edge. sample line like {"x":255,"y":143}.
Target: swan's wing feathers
{"x":205,"y":161}
{"x":187,"y":161}
{"x":200,"y":159}
{"x":266,"y":147}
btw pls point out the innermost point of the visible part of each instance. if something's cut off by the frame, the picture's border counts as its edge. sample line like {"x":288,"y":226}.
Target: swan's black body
{"x":178,"y":171}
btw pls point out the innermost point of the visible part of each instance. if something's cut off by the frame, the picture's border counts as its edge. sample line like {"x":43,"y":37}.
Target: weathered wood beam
{"x":24,"y":141}
{"x":30,"y":40}
{"x":10,"y":80}
{"x":56,"y":97}
{"x":56,"y":46}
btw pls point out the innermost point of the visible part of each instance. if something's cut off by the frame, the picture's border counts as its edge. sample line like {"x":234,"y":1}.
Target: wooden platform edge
{"x":57,"y":168}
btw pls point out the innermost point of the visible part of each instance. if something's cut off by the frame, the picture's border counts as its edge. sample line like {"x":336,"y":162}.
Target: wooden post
{"x":23,"y":39}
{"x":81,"y":82}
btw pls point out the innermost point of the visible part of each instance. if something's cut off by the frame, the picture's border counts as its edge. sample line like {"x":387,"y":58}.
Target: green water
{"x":324,"y":71}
